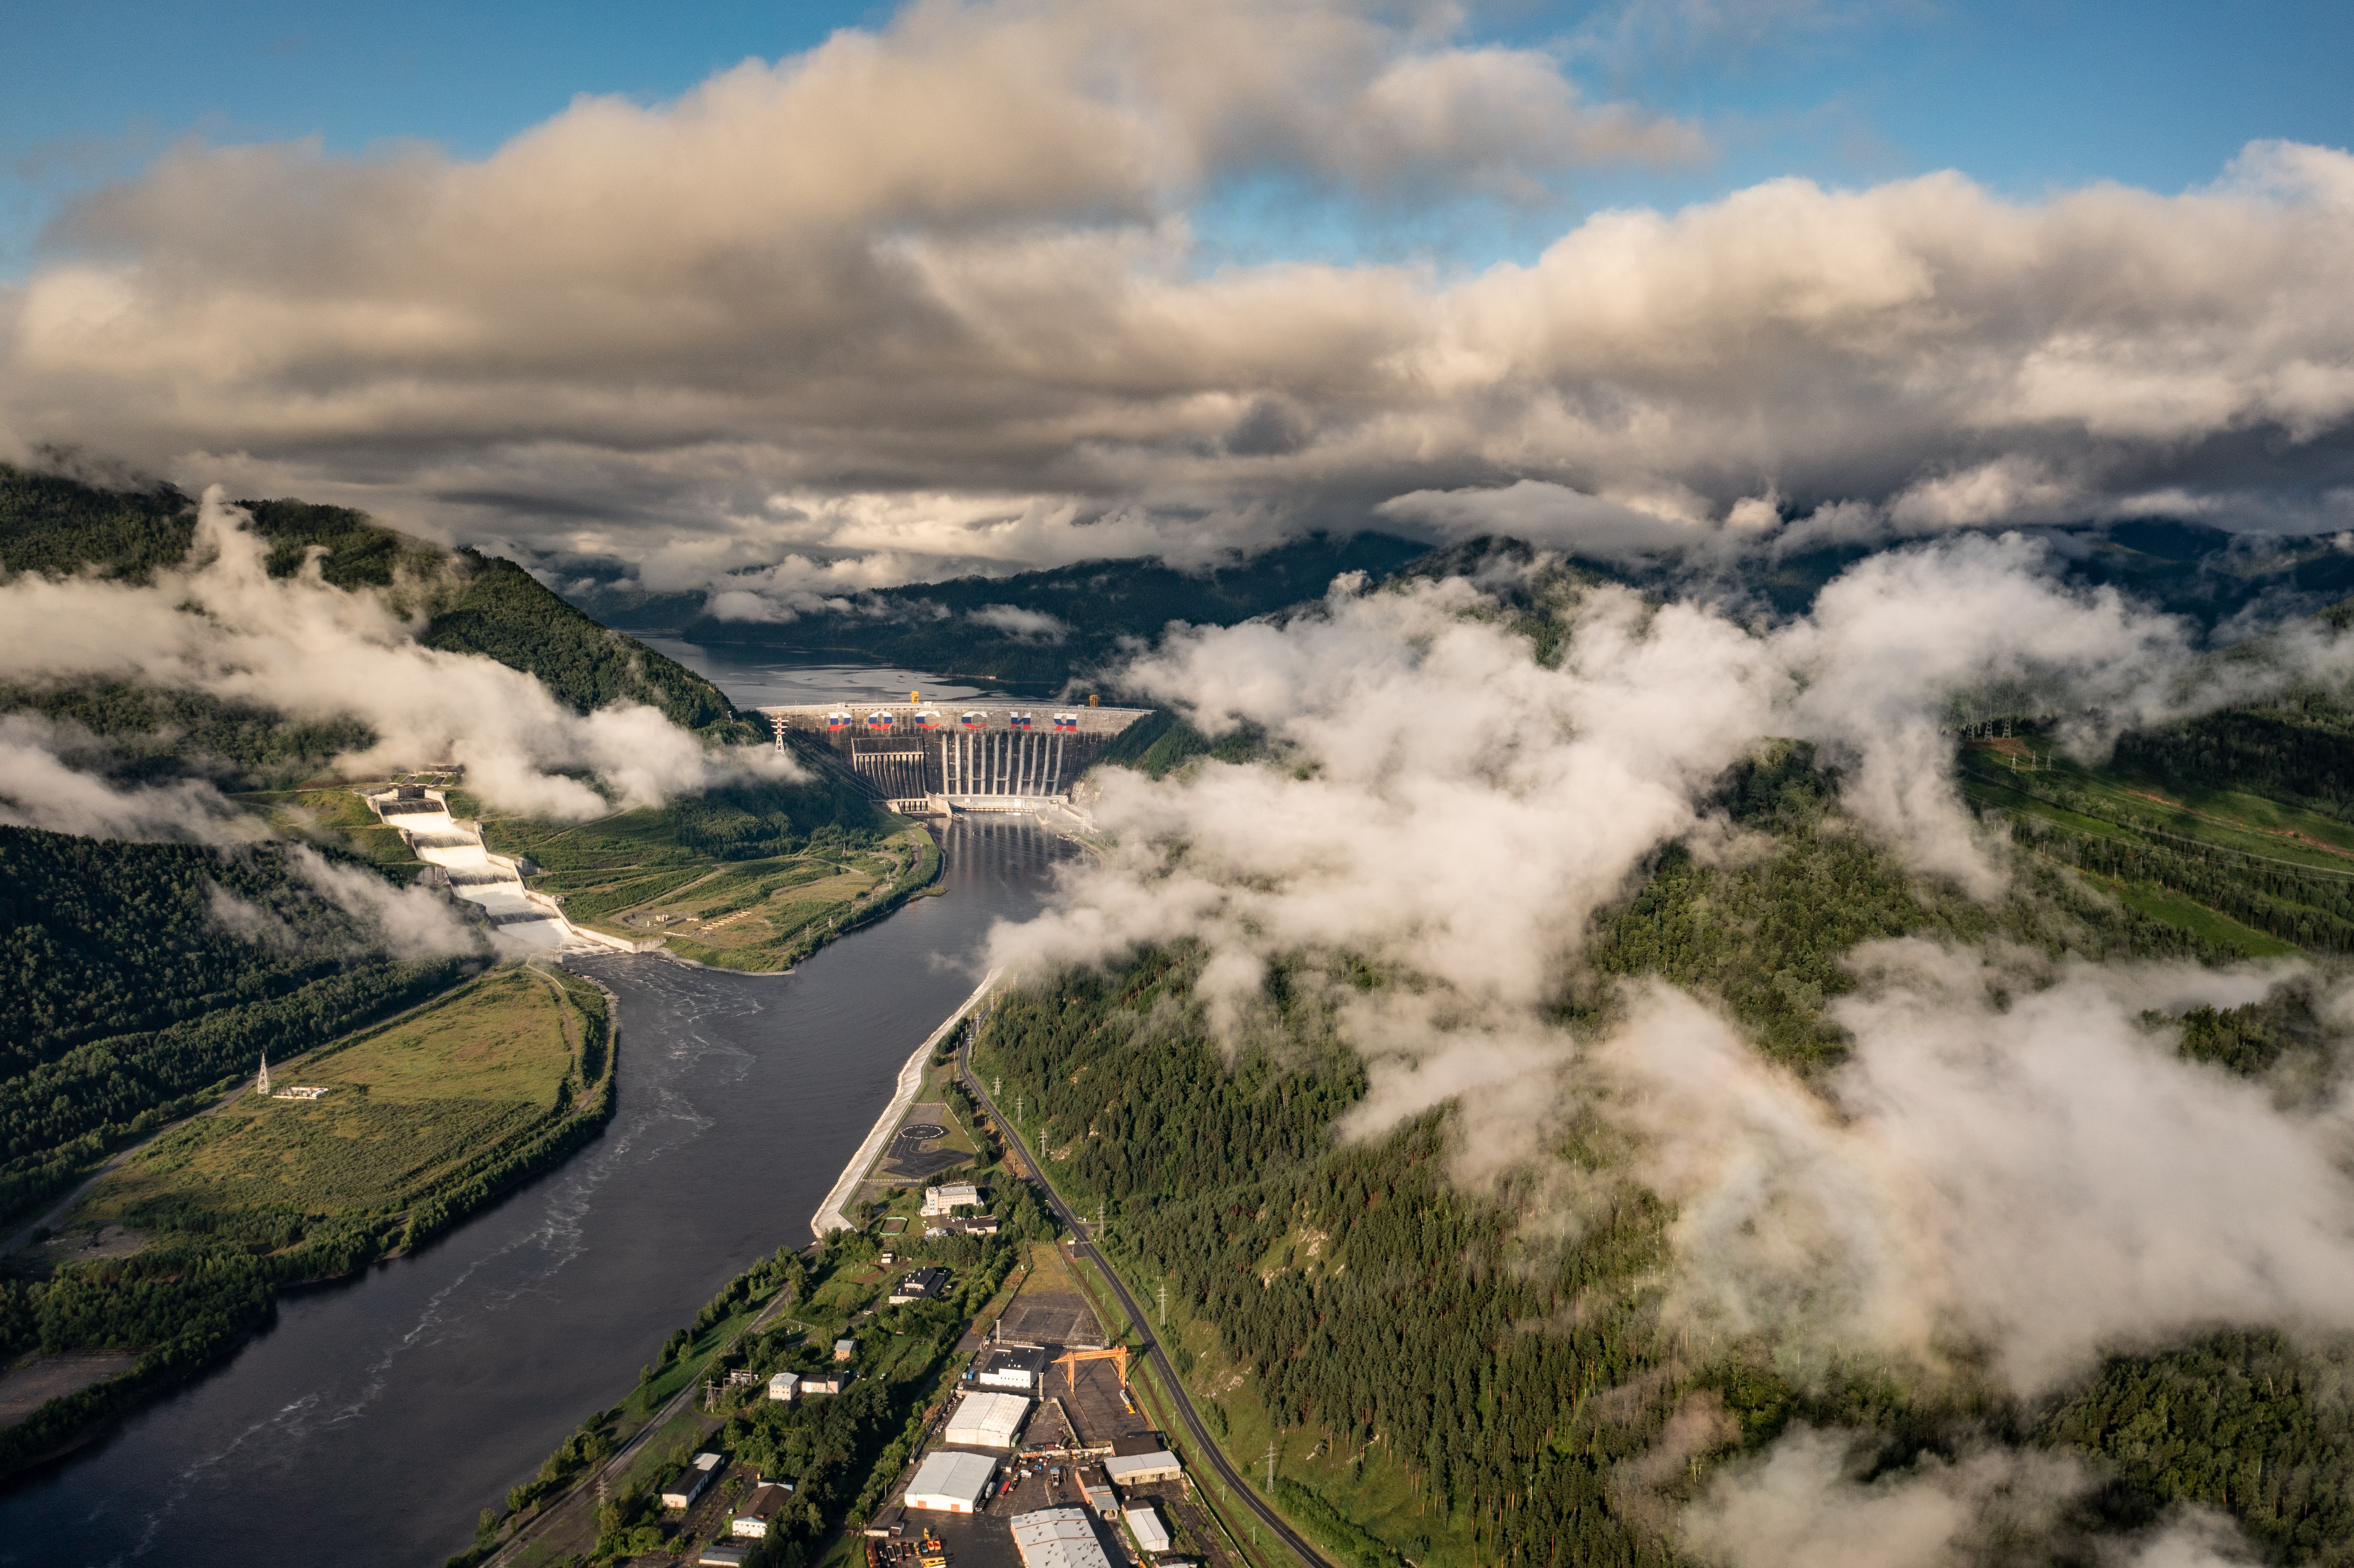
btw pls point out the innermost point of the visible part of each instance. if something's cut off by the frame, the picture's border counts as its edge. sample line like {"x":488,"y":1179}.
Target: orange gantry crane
{"x":1118,"y":1354}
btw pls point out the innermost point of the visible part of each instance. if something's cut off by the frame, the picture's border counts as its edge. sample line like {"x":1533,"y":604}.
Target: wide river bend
{"x":373,"y":1418}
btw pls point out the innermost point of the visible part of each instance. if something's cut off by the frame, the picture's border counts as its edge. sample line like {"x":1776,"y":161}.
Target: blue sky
{"x":2024,"y":98}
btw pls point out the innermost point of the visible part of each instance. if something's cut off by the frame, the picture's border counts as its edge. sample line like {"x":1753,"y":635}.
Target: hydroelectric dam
{"x":921,"y":760}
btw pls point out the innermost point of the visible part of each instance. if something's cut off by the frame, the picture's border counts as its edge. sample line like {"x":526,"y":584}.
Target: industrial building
{"x":951,"y":1482}
{"x":688,"y":1484}
{"x":923,"y":1285}
{"x":964,"y":1226}
{"x":1058,"y":1538}
{"x":784,"y":1386}
{"x":718,"y":1556}
{"x":1143,"y":1469}
{"x":1097,"y":1488}
{"x":1146,"y":1526}
{"x":945,"y":1200}
{"x":1014,"y":1366}
{"x":988,"y":1420}
{"x":752,"y":1519}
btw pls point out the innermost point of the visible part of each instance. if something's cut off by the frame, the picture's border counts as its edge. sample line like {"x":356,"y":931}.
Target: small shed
{"x":1146,"y":1526}
{"x":1141,"y":1470}
{"x":688,"y":1484}
{"x":844,"y":1349}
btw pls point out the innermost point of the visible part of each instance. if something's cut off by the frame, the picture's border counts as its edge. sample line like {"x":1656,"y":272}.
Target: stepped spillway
{"x":475,"y":874}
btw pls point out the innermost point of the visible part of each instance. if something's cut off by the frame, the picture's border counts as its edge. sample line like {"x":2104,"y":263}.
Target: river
{"x":373,"y":1419}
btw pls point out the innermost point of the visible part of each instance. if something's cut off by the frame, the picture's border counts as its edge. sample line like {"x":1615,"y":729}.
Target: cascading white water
{"x":423,"y":821}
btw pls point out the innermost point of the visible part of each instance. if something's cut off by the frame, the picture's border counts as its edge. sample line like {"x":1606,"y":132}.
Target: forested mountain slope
{"x":1470,"y":1384}
{"x":142,"y":975}
{"x":1040,"y":628}
{"x":469,"y":604}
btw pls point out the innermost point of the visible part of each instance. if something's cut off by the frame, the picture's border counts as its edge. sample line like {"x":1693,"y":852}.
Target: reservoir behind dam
{"x":372,"y":1419}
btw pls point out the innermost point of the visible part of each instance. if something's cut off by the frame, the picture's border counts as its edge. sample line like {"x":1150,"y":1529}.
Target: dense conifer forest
{"x":1507,"y":1370}
{"x":128,"y":997}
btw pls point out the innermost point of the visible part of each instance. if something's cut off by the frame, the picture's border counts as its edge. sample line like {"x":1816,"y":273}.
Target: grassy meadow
{"x":410,"y":1106}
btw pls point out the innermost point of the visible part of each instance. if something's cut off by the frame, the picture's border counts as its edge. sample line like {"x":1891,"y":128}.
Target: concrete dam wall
{"x":923,"y":758}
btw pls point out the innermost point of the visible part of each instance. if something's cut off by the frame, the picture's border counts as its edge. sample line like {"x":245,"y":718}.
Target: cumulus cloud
{"x":931,"y":295}
{"x":222,"y":625}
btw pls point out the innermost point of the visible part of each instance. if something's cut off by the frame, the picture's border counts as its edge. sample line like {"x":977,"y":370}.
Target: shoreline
{"x":829,"y":1216}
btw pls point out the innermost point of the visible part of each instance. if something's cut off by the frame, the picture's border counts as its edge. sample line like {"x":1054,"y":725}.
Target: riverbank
{"x":830,"y":1214}
{"x":415,"y":1129}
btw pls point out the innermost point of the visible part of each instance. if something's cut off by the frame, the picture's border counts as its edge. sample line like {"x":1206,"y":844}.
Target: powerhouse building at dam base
{"x":922,"y":760}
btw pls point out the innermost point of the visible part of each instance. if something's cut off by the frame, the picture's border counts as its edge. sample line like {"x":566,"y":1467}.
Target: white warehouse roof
{"x":952,"y":1482}
{"x":1148,"y":1531}
{"x":1131,"y":1469}
{"x":1058,"y":1538}
{"x":988,"y":1420}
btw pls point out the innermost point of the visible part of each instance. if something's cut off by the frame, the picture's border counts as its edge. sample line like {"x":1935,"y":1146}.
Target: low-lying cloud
{"x":2032,"y":1184}
{"x":39,"y":790}
{"x":1806,"y":1503}
{"x":1987,"y":1189}
{"x":221,"y":625}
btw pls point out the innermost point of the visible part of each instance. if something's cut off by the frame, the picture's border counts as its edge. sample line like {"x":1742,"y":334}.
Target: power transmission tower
{"x":1271,"y":1467}
{"x":996,"y":1085}
{"x":1164,"y":1304}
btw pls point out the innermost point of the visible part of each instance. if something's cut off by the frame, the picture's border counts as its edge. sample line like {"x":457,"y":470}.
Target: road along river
{"x":373,"y":1419}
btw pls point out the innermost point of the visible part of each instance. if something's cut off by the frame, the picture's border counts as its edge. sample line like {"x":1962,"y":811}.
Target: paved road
{"x":1203,"y":1444}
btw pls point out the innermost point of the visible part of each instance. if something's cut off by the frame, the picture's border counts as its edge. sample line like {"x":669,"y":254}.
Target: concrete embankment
{"x":830,"y":1214}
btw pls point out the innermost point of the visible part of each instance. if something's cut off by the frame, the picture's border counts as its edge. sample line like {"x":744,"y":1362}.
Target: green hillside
{"x":1090,"y":607}
{"x":475,"y":604}
{"x":129,"y":996}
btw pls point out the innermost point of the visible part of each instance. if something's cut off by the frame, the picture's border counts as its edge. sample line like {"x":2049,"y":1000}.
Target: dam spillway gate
{"x":918,"y":758}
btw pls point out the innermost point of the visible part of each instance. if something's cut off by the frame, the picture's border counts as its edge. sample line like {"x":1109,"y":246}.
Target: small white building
{"x":922,"y":1285}
{"x":1058,"y":1538}
{"x":944,"y":1200}
{"x":785,"y":1386}
{"x":987,"y":1420}
{"x":688,"y":1484}
{"x":1139,"y":1469}
{"x":752,"y":1522}
{"x":1146,"y":1526}
{"x":1014,"y":1366}
{"x":951,"y":1482}
{"x":813,"y":1384}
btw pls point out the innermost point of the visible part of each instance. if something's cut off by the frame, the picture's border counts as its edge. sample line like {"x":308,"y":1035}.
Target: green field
{"x":408,"y":1105}
{"x":764,"y":914}
{"x":2243,"y":872}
